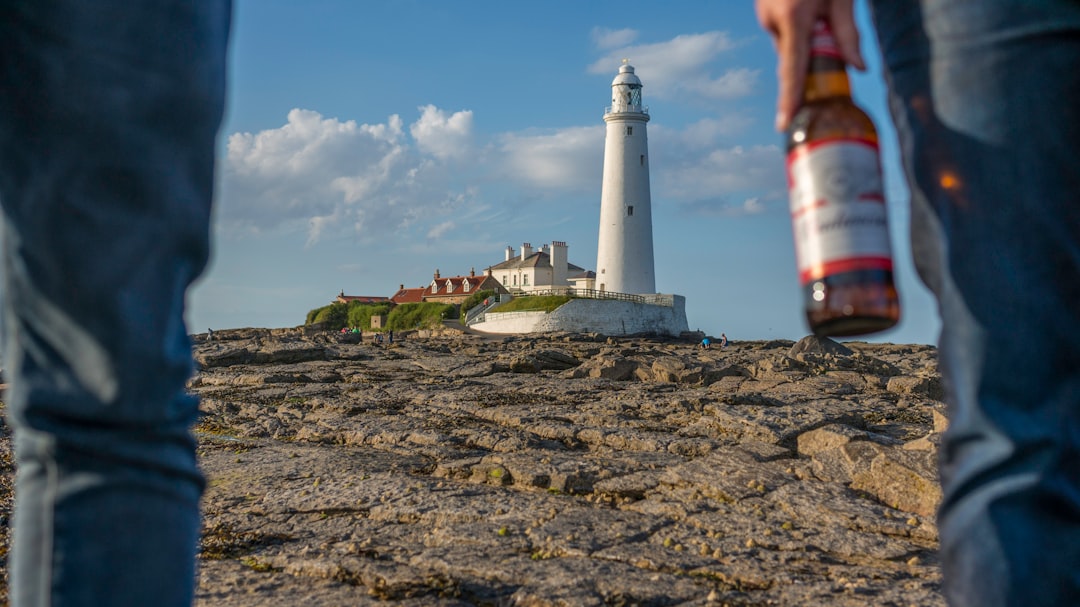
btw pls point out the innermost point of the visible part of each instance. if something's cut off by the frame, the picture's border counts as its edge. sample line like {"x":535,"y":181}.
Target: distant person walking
{"x":723,"y":341}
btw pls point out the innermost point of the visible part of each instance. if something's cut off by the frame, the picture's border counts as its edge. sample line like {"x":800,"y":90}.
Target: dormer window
{"x":449,"y":286}
{"x":465,"y":284}
{"x":434,"y":287}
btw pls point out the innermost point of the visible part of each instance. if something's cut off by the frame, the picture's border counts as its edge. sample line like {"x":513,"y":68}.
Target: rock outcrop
{"x":566,"y":469}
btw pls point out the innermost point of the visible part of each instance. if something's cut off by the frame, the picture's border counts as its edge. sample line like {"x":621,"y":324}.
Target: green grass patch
{"x":527,"y":303}
{"x":352,"y":314}
{"x":398,"y":318}
{"x":425,"y":315}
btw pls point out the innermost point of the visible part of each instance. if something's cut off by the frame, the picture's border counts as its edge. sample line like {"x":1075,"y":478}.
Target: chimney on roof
{"x":401,"y":287}
{"x":472,"y":272}
{"x":526,"y":250}
{"x":559,"y":266}
{"x":509,"y":253}
{"x":436,"y":273}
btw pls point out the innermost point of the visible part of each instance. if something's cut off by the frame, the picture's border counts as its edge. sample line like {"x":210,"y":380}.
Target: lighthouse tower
{"x":624,"y":257}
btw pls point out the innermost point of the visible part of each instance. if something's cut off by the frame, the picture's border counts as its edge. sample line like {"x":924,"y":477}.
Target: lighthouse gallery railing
{"x":478,"y":313}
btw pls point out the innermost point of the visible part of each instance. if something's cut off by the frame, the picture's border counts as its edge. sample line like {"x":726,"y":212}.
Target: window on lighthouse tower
{"x":629,"y":131}
{"x":630,"y":211}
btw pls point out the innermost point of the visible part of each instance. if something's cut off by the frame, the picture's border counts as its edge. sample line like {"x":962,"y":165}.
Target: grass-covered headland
{"x":426,"y":315}
{"x":402,"y":317}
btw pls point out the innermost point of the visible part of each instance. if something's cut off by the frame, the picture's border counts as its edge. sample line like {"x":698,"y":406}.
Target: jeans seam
{"x":48,"y":558}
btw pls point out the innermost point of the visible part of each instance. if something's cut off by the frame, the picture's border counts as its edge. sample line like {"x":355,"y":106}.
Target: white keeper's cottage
{"x":542,"y":269}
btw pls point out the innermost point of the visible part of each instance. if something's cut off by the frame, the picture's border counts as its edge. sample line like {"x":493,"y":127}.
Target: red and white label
{"x":823,"y":42}
{"x":838,"y":209}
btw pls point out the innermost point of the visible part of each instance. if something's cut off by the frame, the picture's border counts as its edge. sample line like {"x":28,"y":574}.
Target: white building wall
{"x":510,"y":322}
{"x":605,"y":316}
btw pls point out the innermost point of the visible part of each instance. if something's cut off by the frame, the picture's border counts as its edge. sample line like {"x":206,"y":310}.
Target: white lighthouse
{"x":624,"y":257}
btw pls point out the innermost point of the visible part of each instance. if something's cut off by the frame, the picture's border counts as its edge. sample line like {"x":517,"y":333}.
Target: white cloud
{"x":319,"y":224}
{"x":724,"y":207}
{"x":325,"y":175}
{"x":708,"y":184}
{"x":737,"y":82}
{"x":753,"y":206}
{"x":605,"y":38}
{"x":441,"y":135}
{"x":707,"y":133}
{"x":569,"y":159}
{"x":681,"y":66}
{"x":437,"y":231}
{"x":737,"y":168}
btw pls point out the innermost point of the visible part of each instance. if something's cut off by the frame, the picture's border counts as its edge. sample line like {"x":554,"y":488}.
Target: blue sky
{"x":367,"y":144}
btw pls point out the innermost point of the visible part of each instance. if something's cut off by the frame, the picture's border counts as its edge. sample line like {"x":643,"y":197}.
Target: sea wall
{"x":609,"y":317}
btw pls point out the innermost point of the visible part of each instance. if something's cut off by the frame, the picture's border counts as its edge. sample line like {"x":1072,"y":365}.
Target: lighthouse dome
{"x":626,"y":76}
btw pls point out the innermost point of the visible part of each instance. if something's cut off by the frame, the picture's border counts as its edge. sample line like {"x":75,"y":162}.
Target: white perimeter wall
{"x":609,"y":317}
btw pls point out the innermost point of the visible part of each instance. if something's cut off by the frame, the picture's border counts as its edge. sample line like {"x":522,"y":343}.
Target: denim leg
{"x":109,"y":112}
{"x":986,"y":100}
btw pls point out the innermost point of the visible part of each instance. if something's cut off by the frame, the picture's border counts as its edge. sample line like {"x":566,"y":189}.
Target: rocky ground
{"x":460,"y":470}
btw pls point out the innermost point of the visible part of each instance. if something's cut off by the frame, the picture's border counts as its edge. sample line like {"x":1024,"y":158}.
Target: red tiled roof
{"x":361,"y":298}
{"x":408,"y":295}
{"x":476,"y":283}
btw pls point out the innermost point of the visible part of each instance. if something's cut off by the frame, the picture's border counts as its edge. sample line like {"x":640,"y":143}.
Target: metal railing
{"x":477,"y":314}
{"x":658,"y":299}
{"x":589,"y":294}
{"x":471,"y":316}
{"x":626,"y":108}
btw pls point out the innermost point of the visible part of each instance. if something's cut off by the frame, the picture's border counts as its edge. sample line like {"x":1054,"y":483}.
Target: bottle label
{"x":838,"y":208}
{"x":823,"y":42}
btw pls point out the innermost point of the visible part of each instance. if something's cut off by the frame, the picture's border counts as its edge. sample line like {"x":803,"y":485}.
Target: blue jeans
{"x":109,"y":111}
{"x":986,"y":99}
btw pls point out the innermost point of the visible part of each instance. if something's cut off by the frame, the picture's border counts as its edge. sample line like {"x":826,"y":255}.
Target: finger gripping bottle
{"x":838,"y":212}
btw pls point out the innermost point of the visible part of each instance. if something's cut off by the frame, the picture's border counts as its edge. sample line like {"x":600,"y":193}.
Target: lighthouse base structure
{"x":667,"y":316}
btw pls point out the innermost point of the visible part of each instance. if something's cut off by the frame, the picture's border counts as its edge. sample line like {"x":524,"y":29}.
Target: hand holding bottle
{"x":791,"y":25}
{"x":838,"y":209}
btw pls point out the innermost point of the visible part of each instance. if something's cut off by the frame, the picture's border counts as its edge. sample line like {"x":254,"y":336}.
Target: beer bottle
{"x":838,"y":209}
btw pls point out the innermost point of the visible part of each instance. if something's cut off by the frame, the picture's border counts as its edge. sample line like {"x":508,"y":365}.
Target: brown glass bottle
{"x":838,"y":210}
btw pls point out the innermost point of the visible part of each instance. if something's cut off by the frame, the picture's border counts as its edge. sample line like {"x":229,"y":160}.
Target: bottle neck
{"x":827,"y":76}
